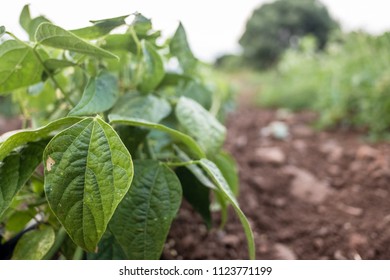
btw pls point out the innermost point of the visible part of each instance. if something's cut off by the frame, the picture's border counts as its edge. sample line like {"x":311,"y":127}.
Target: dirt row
{"x":307,"y":194}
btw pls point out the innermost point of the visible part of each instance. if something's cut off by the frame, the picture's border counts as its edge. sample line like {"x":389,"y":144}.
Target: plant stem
{"x":183,"y":163}
{"x":66,"y":95}
{"x":78,"y":254}
{"x":61,"y":235}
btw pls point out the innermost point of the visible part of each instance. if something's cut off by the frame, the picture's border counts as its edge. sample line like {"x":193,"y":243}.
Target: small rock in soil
{"x":338,"y":255}
{"x":354,"y":211}
{"x":306,"y":186}
{"x":278,"y":130}
{"x":241,"y":141}
{"x":283,"y":252}
{"x":272,"y":155}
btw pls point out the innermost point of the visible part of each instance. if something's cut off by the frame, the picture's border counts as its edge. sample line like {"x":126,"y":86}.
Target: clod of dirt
{"x":231,"y":240}
{"x":366,"y":152}
{"x":333,"y":151}
{"x":272,"y":155}
{"x":283,"y":252}
{"x":302,"y":131}
{"x":306,"y":186}
{"x":357,"y":240}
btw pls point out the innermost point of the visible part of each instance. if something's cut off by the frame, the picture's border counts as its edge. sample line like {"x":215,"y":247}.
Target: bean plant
{"x":119,"y":126}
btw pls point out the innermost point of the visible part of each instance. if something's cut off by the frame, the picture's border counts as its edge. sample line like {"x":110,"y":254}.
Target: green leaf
{"x":119,"y":42}
{"x":152,"y":68}
{"x":14,"y":139}
{"x":187,"y":140}
{"x":29,"y":24}
{"x":108,"y":249}
{"x":180,"y":48}
{"x":146,"y":107}
{"x":88,"y":171}
{"x":198,"y":92}
{"x":54,"y":36}
{"x":16,"y":169}
{"x":142,"y":220}
{"x":18,"y":220}
{"x":54,"y":64}
{"x":216,"y":175}
{"x":195,"y":193}
{"x":200,"y":124}
{"x":174,"y":79}
{"x":228,"y":167}
{"x":34,"y":244}
{"x":100,"y":95}
{"x":19,"y":67}
{"x":195,"y":169}
{"x":25,"y":18}
{"x":100,"y":28}
{"x":141,"y":25}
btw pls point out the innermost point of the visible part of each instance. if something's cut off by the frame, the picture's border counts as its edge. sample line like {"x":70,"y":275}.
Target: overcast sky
{"x":213,"y":26}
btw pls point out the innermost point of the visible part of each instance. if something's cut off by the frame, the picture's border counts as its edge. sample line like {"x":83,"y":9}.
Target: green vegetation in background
{"x":347,"y":84}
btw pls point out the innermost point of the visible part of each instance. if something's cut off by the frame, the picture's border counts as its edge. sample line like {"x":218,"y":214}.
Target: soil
{"x":311,"y":195}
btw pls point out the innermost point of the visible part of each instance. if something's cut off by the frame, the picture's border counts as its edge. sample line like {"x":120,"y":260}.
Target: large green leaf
{"x":34,"y":244}
{"x":200,"y":124}
{"x":99,"y":28}
{"x":142,"y":220}
{"x":88,"y":171}
{"x":216,"y":175}
{"x":108,"y":249}
{"x":54,"y":36}
{"x":100,"y":95}
{"x":14,"y":139}
{"x":19,"y":67}
{"x":146,"y":107}
{"x":195,"y":193}
{"x":152,"y":67}
{"x":180,"y":48}
{"x":187,"y":140}
{"x":16,"y":169}
{"x":228,"y":167}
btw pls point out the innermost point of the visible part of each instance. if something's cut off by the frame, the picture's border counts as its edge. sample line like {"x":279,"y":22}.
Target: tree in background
{"x":276,"y":26}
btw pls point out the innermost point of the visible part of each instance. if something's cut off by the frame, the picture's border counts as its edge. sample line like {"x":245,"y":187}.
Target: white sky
{"x":213,"y":26}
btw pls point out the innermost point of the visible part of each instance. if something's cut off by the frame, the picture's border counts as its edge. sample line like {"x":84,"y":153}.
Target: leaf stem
{"x":66,"y":95}
{"x":182,"y":163}
{"x":60,"y":238}
{"x":78,"y":254}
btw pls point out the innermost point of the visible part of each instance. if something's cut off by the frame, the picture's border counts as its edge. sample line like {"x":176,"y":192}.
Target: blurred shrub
{"x":276,"y":26}
{"x":349,"y":83}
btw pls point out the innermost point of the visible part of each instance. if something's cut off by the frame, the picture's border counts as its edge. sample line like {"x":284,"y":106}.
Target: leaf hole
{"x":50,"y":163}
